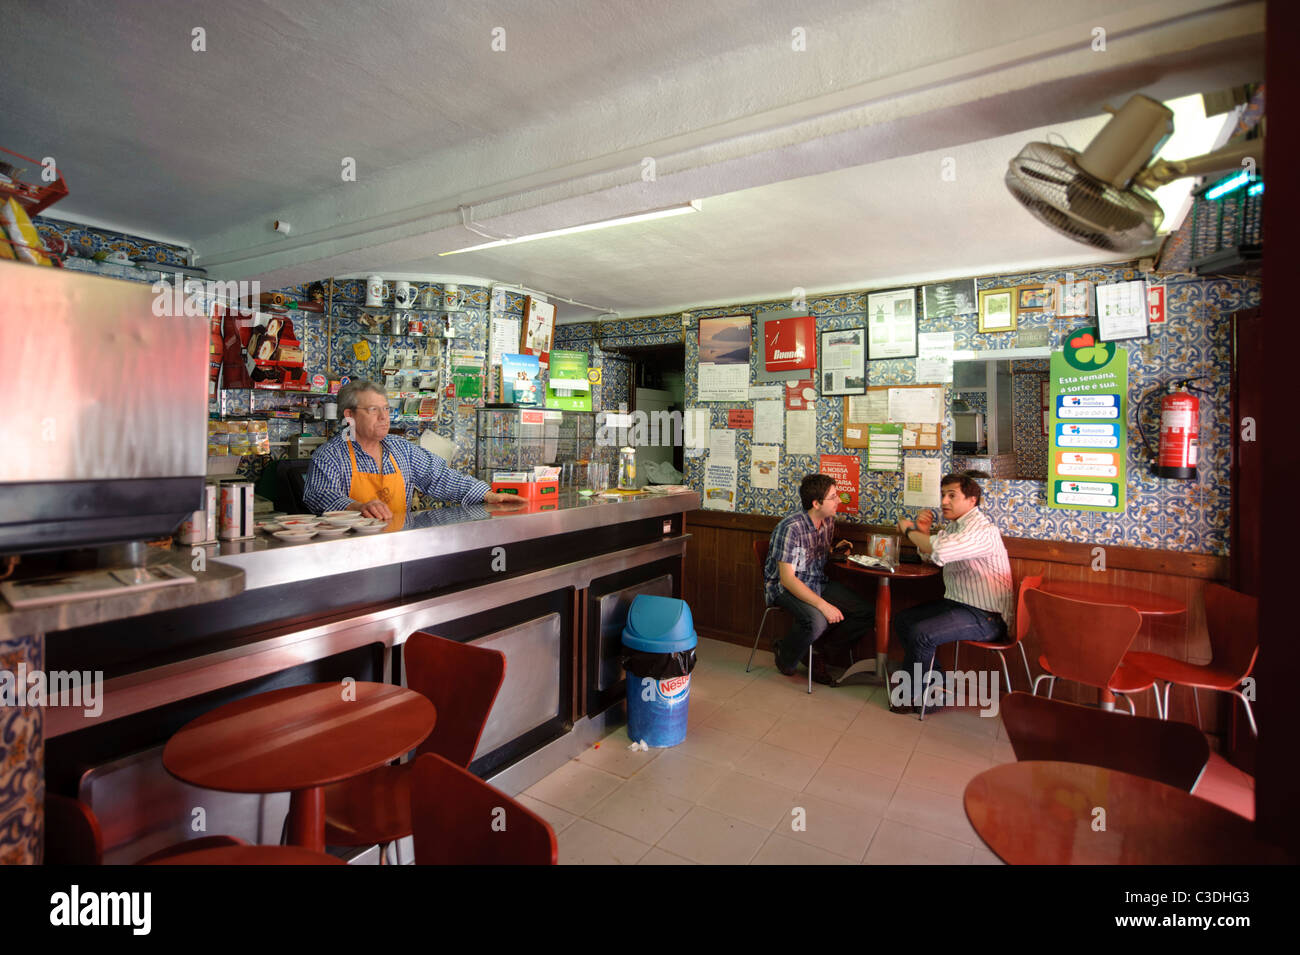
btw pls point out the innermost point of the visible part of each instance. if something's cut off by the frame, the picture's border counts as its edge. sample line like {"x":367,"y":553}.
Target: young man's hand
{"x":924,"y":521}
{"x":832,"y":613}
{"x":843,"y":547}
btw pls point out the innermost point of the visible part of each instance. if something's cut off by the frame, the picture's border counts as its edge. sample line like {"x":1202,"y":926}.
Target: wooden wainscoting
{"x":723,"y":586}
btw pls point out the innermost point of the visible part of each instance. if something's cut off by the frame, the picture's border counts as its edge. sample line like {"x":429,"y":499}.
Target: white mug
{"x":376,"y":290}
{"x":404,"y":295}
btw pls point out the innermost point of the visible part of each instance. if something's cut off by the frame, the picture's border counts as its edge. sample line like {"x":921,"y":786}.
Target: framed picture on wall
{"x":1036,"y":298}
{"x":891,"y":324}
{"x":949,"y":298}
{"x":538,"y":332}
{"x":844,"y":361}
{"x":1076,"y":300}
{"x":998,"y":310}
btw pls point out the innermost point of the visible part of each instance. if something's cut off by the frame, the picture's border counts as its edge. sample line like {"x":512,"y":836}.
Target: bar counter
{"x":549,"y":588}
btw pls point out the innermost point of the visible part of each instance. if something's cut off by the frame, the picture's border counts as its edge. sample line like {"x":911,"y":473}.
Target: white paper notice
{"x":800,"y":432}
{"x":871,"y":408}
{"x":765,"y":466}
{"x":722,"y":443}
{"x":764,"y":391}
{"x":769,"y":422}
{"x":1122,"y":310}
{"x":720,"y":485}
{"x":505,"y":338}
{"x":934,"y":357}
{"x":724,"y":382}
{"x":696,"y":431}
{"x":923,"y":405}
{"x":921,"y":481}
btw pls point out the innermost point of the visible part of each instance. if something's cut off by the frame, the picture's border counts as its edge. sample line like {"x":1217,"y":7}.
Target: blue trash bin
{"x":660,"y":642}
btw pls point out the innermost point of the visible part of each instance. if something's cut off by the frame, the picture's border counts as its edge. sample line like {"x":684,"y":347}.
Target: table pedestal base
{"x":307,"y":818}
{"x":876,"y":666}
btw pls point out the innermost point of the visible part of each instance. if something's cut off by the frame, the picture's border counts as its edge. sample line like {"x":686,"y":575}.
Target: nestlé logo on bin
{"x":674,"y":688}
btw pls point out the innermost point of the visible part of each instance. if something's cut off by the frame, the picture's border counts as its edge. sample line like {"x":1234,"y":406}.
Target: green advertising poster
{"x":1088,"y":454}
{"x":567,"y":387}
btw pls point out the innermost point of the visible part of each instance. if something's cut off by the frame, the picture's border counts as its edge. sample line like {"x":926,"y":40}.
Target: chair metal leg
{"x":1034,"y":688}
{"x":758,"y":636}
{"x":1051,"y":685}
{"x":1254,"y":730}
{"x":1167,"y":686}
{"x":810,"y":669}
{"x":926,"y":683}
{"x":1005,"y":672}
{"x":1132,"y":710}
{"x":1155,"y":688}
{"x":1029,"y":677}
{"x":1196,"y":698}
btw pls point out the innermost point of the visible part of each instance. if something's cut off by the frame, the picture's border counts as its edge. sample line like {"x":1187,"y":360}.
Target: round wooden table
{"x":251,"y":855}
{"x":1044,"y":813}
{"x":299,"y":739}
{"x":1144,"y":602}
{"x":884,"y":610}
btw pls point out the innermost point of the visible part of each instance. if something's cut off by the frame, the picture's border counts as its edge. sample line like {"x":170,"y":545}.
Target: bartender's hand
{"x":375,"y":508}
{"x":495,"y":497}
{"x":924,"y":521}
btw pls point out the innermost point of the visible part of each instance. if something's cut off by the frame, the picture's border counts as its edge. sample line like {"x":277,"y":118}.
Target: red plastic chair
{"x":461,"y":820}
{"x":462,"y":681}
{"x":1022,"y":631}
{"x":1175,"y":754}
{"x":1086,"y":642}
{"x":760,"y":552}
{"x":1232,"y":619}
{"x":73,"y":836}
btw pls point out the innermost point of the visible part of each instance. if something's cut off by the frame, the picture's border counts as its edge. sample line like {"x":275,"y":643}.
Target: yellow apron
{"x":389,"y":488}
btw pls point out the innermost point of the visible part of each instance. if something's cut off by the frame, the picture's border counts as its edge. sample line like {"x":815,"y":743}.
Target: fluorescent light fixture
{"x":1256,"y":189}
{"x":1228,"y":185}
{"x":692,"y":206}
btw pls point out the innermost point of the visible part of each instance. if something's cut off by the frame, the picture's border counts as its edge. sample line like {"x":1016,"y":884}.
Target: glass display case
{"x":516,"y":439}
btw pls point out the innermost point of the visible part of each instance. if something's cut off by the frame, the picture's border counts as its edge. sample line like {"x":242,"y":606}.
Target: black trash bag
{"x":659,"y":666}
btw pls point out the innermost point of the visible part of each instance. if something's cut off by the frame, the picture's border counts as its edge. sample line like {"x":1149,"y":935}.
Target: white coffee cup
{"x":404,"y":295}
{"x":376,"y":290}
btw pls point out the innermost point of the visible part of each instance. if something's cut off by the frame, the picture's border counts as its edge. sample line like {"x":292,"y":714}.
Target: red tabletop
{"x":251,"y":855}
{"x":1042,"y":813}
{"x":1144,"y":602}
{"x":902,"y":570}
{"x":298,"y":739}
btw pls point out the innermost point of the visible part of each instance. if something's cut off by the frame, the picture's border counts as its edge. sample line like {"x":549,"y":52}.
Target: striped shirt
{"x":796,"y":541}
{"x":976,"y":570}
{"x":330,"y":475}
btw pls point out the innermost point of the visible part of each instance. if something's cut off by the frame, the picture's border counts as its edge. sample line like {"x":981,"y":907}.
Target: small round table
{"x":1045,"y":813}
{"x":251,"y":855}
{"x":299,"y":739}
{"x":884,"y":609}
{"x":1144,"y":602}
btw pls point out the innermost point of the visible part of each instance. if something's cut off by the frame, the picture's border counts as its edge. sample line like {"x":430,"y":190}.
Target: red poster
{"x":844,"y":469}
{"x":740,"y":418}
{"x":795,"y":397}
{"x":1155,"y":304}
{"x":790,"y":344}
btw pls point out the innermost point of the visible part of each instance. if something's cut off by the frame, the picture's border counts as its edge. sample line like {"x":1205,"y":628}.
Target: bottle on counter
{"x":627,"y":469}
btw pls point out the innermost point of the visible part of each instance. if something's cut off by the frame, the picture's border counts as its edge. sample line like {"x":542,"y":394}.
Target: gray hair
{"x":350,"y":394}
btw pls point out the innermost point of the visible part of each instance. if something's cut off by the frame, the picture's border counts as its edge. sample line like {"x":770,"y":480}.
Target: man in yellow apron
{"x":363,"y":468}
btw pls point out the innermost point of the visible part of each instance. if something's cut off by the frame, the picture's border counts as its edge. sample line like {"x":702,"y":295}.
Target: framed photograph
{"x":891,"y":324}
{"x":844,"y":361}
{"x":997,"y":310}
{"x":1076,"y":300}
{"x":949,"y":298}
{"x":1036,"y":298}
{"x":538,"y":329}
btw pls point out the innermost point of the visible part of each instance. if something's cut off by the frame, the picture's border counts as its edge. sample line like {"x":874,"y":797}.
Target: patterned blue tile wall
{"x":1189,"y":516}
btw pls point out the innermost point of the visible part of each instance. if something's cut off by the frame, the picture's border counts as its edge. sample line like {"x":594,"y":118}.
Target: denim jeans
{"x":923,"y":629}
{"x":810,"y":624}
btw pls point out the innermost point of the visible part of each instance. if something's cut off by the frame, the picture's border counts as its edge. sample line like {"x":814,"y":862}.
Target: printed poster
{"x":720,"y":484}
{"x":724,"y":358}
{"x":1088,"y":456}
{"x":844,"y":468}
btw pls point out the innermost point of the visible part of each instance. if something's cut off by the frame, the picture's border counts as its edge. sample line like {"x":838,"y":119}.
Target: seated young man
{"x":978,"y":598}
{"x":794,"y":579}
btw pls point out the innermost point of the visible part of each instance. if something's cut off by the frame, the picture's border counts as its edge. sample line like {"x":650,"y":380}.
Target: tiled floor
{"x":771,"y":775}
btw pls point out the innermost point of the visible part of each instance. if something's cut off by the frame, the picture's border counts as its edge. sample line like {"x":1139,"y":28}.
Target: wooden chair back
{"x":462,"y":681}
{"x":1082,"y":641}
{"x":1232,"y":619}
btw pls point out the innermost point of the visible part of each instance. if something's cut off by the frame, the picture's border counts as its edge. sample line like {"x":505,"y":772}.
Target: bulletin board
{"x":916,"y":436}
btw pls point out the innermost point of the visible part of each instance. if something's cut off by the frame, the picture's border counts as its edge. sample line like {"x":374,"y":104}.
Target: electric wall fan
{"x":1101,"y":196}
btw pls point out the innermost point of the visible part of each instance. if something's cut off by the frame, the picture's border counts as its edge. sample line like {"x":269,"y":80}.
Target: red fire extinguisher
{"x":1178,"y":449}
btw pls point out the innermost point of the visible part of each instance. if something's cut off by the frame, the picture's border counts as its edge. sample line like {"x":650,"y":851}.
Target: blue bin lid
{"x":659,"y":625}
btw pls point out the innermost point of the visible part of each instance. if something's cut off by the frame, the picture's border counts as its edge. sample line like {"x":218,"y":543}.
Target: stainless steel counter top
{"x":267,"y":561}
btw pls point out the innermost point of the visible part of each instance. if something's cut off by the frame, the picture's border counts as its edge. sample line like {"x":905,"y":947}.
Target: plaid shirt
{"x":330,"y":475}
{"x":797,"y":542}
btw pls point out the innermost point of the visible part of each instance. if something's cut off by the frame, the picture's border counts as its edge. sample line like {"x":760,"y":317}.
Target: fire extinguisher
{"x":1178,"y":447}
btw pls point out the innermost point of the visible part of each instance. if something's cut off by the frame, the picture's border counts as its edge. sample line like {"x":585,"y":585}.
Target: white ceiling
{"x":818,"y":168}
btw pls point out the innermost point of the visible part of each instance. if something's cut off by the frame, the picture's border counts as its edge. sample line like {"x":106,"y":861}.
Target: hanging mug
{"x":376,"y":290}
{"x":404,"y":295}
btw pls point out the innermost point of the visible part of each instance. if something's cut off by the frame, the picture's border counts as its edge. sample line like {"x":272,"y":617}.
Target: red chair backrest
{"x":457,"y":819}
{"x":1232,"y":619}
{"x":1022,"y":614}
{"x":72,"y":833}
{"x":1082,"y":641}
{"x":462,"y":681}
{"x":1039,"y":728}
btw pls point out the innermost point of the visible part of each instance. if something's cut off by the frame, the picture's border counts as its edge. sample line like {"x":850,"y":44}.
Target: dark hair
{"x":814,"y":488}
{"x":967,"y":483}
